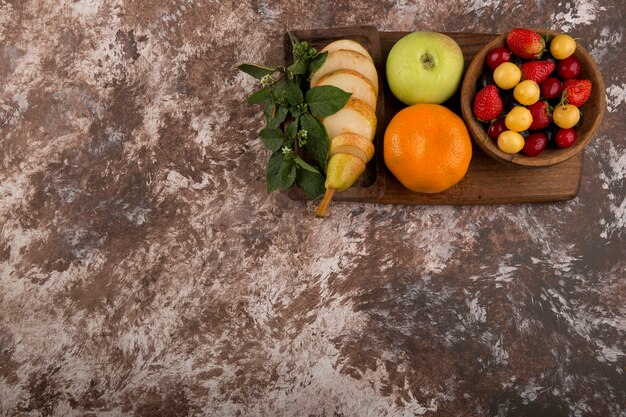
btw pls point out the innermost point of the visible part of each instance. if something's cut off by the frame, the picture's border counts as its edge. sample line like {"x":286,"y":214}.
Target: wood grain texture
{"x":487,"y":181}
{"x":490,"y":182}
{"x":592,"y":111}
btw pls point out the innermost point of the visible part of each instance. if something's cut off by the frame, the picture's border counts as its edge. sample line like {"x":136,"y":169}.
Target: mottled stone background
{"x":144,"y":270}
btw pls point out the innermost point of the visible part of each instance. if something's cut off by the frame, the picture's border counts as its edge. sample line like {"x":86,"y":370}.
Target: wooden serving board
{"x":487,"y":181}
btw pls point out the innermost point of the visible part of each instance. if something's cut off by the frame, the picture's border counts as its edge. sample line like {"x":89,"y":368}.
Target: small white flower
{"x":266,"y":79}
{"x":286,"y":150}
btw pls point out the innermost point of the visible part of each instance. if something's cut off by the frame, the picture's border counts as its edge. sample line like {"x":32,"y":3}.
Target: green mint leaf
{"x":268,"y":112}
{"x":294,"y":40}
{"x":295,"y":111}
{"x":278,"y":118}
{"x":257,"y":71}
{"x":259,"y":96}
{"x":326,"y":100}
{"x":317,"y":62}
{"x":302,"y":164}
{"x":292,"y":129}
{"x":298,"y":67}
{"x":317,"y":142}
{"x":271,"y":138}
{"x":279,"y":87}
{"x":311,"y":182}
{"x":279,"y":91}
{"x":300,"y":50}
{"x":293,"y":94}
{"x":272,"y":174}
{"x":287,"y":173}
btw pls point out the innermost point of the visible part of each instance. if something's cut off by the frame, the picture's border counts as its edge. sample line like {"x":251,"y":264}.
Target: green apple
{"x":424,"y":67}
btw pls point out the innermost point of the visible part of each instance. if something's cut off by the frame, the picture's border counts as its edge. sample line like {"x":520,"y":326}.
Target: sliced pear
{"x":349,"y":153}
{"x":345,"y":59}
{"x":355,"y":117}
{"x":348,"y":44}
{"x":352,"y":144}
{"x":342,"y":171}
{"x":351,"y":82}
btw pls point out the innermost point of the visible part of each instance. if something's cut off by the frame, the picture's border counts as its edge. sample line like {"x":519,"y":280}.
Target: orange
{"x":427,"y":148}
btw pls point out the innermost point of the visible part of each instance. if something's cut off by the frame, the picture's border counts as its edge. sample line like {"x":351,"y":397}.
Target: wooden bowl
{"x":591,"y":112}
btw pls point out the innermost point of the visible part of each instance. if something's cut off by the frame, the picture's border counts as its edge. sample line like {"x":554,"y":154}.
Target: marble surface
{"x":144,"y":271}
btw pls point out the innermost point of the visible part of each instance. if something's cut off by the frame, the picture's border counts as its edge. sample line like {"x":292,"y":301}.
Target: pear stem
{"x":321,"y":209}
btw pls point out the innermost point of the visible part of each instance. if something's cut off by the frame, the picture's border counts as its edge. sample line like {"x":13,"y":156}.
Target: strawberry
{"x":526,"y":43}
{"x":576,"y":92}
{"x":538,"y":71}
{"x":542,"y":116}
{"x":487,"y":104}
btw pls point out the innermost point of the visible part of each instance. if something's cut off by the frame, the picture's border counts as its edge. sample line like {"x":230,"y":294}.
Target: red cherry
{"x":569,"y":68}
{"x":496,"y":128}
{"x":496,"y":57}
{"x":551,"y":87}
{"x":565,"y":138}
{"x":535,"y":144}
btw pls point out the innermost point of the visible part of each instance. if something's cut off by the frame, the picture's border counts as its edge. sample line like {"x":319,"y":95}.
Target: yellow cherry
{"x":518,"y":119}
{"x":566,"y":116}
{"x":527,"y":92}
{"x":562,"y":46}
{"x":507,"y":75}
{"x":510,"y":142}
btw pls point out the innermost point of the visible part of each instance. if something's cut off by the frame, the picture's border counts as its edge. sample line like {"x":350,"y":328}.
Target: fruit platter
{"x":371,"y":156}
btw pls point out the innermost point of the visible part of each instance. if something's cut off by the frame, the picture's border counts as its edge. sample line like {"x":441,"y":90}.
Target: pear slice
{"x":355,"y":117}
{"x":351,"y":82}
{"x":349,"y":153}
{"x":345,"y":59}
{"x":352,"y":144}
{"x":342,"y":170}
{"x":348,"y":44}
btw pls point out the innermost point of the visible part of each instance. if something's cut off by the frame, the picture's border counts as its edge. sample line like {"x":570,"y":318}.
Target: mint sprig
{"x":291,"y":113}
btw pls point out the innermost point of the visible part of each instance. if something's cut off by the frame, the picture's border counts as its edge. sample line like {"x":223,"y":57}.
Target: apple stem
{"x":427,"y":60}
{"x":321,"y":209}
